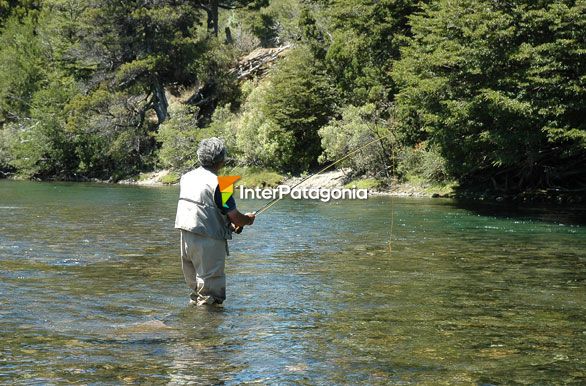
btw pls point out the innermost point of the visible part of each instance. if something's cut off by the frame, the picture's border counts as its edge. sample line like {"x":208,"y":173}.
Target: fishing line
{"x":277,"y":199}
{"x":392,"y":203}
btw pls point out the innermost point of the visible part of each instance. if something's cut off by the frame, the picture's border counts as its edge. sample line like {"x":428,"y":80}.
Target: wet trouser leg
{"x":203,"y":260}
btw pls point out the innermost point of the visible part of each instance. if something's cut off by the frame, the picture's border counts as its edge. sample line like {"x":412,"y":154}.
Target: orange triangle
{"x":229,"y":189}
{"x":226,"y":181}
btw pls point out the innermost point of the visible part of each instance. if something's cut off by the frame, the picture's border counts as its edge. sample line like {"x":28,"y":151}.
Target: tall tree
{"x":499,"y":86}
{"x":300,"y":100}
{"x":147,"y":46}
{"x":23,"y":65}
{"x":366,"y":36}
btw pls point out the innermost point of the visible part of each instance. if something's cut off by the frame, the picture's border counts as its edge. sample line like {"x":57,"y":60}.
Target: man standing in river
{"x":206,"y":225}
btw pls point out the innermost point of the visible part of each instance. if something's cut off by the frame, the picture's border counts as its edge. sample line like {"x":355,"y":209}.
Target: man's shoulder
{"x":195,"y":172}
{"x":200,"y":175}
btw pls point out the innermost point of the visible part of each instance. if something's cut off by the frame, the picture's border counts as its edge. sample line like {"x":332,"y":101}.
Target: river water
{"x":383,"y":291}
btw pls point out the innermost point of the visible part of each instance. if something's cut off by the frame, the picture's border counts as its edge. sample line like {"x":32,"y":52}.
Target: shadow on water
{"x":552,"y":213}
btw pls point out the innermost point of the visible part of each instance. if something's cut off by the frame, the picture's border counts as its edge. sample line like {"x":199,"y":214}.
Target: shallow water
{"x":91,"y":290}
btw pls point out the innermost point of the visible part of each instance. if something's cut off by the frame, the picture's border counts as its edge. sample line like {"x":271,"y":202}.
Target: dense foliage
{"x":499,"y":86}
{"x":487,"y":92}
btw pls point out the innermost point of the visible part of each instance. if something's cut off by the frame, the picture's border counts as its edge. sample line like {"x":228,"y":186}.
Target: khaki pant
{"x":203,"y":260}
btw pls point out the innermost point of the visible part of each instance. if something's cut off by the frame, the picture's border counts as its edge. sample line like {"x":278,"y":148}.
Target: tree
{"x":366,"y":37}
{"x":212,"y":8}
{"x":499,"y":87}
{"x":23,"y":66}
{"x":300,"y":100}
{"x":17,"y":9}
{"x":146,"y":46}
{"x":117,"y":60}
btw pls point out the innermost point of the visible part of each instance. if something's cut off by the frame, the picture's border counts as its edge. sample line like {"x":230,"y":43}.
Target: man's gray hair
{"x":211,"y":151}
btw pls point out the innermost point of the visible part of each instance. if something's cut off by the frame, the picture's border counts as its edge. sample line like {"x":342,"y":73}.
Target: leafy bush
{"x":260,"y":141}
{"x":6,"y":138}
{"x":278,"y":122}
{"x":179,"y":137}
{"x":356,"y":127}
{"x":424,"y":163}
{"x":223,"y":125}
{"x":23,"y":147}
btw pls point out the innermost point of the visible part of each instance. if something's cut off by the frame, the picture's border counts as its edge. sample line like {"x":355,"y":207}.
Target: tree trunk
{"x":229,"y":39}
{"x":212,"y":11}
{"x":160,"y":103}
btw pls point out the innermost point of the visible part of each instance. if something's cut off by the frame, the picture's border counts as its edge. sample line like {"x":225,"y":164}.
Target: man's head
{"x":211,"y":153}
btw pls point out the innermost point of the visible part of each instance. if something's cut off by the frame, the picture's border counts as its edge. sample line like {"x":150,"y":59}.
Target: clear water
{"x":91,"y":291}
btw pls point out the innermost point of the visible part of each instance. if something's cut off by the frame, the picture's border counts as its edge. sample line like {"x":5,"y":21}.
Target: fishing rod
{"x":269,"y":204}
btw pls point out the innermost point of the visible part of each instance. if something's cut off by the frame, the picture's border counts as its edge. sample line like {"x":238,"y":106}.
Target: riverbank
{"x":341,"y":178}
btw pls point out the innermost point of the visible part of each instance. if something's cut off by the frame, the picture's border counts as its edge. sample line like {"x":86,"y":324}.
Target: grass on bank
{"x":255,"y":177}
{"x":431,"y":187}
{"x":170,"y":178}
{"x":365,"y":183}
{"x":410,"y":183}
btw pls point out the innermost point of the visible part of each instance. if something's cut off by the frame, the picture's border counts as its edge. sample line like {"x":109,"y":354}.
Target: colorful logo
{"x":227,"y":187}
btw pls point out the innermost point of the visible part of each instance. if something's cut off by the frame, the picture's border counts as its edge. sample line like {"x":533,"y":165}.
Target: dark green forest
{"x":487,"y":93}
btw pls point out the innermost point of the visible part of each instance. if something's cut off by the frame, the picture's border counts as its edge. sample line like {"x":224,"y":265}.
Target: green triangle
{"x":225,"y":197}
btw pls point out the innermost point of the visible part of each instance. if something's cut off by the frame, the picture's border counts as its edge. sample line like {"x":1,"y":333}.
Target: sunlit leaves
{"x":499,"y":86}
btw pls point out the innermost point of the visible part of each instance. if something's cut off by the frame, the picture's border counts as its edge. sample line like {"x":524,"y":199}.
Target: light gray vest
{"x":197,"y":211}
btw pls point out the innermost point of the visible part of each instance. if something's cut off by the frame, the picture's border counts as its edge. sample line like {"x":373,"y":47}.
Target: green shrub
{"x":171,"y":178}
{"x":179,"y":137}
{"x":356,"y":127}
{"x":259,"y":140}
{"x":423,"y":162}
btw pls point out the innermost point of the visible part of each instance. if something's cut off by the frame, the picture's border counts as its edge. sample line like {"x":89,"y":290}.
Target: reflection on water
{"x":91,"y":290}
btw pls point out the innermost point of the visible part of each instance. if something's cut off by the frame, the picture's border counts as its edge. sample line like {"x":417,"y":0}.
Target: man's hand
{"x":239,"y":219}
{"x":251,"y":216}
